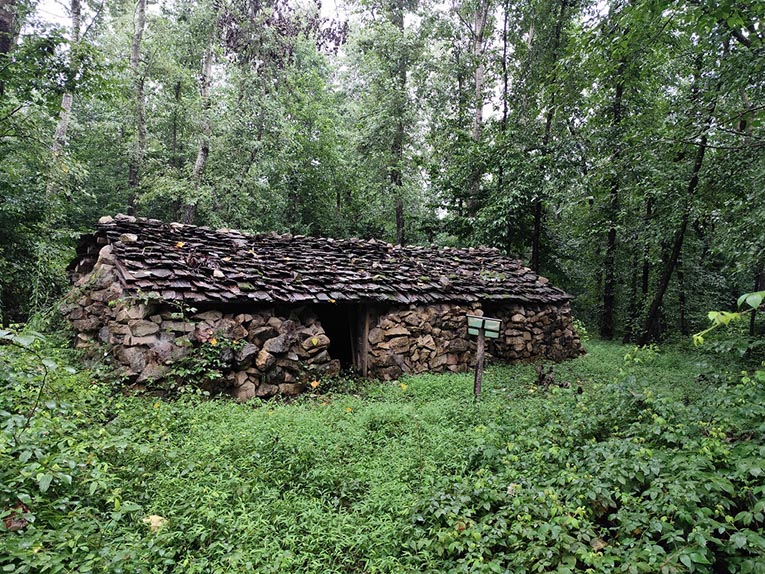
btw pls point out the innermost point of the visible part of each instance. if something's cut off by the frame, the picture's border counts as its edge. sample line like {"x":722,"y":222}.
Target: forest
{"x":615,"y":147}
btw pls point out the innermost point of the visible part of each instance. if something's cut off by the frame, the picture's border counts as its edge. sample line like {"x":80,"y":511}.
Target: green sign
{"x":490,"y":326}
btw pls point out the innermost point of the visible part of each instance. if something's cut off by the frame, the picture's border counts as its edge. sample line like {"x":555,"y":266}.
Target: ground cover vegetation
{"x":632,"y":460}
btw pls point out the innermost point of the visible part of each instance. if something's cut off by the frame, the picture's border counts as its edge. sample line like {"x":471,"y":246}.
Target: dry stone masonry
{"x":434,"y":338}
{"x":150,"y":295}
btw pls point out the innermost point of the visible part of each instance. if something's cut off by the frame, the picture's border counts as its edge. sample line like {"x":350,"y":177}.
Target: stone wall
{"x":416,"y":339}
{"x":434,"y":338}
{"x":278,"y":350}
{"x":535,"y":332}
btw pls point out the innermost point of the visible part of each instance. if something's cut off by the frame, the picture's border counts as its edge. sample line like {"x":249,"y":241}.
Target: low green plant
{"x":581,"y":330}
{"x":204,"y":365}
{"x":642,"y":355}
{"x":655,"y":467}
{"x":747,"y":304}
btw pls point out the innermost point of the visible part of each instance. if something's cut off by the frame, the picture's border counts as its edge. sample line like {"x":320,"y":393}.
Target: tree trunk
{"x":670,"y":264}
{"x":759,"y":285}
{"x":59,"y":139}
{"x":65,"y":115}
{"x":646,"y":273}
{"x":536,"y":238}
{"x":139,"y":150}
{"x":640,"y":277}
{"x":8,"y":31}
{"x":479,"y":29}
{"x":189,"y":211}
{"x":8,"y":27}
{"x":397,"y":145}
{"x":677,"y":244}
{"x":607,"y":328}
{"x":505,"y":71}
{"x":505,"y":113}
{"x":682,"y":302}
{"x":174,"y":158}
{"x":633,"y":313}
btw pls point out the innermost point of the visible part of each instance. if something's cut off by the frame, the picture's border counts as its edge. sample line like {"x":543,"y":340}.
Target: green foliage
{"x":749,"y":302}
{"x":634,"y":476}
{"x":644,"y":355}
{"x":656,"y":466}
{"x":581,"y":331}
{"x":203,"y":366}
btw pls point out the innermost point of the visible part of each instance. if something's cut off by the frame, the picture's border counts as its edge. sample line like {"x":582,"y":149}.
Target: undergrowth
{"x":634,"y":460}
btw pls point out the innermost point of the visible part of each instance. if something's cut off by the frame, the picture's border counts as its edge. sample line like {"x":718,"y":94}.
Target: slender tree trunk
{"x":397,"y":180}
{"x":8,"y":31}
{"x":524,"y":73}
{"x":397,"y":145}
{"x":677,"y":244}
{"x":646,"y":272}
{"x":8,"y":27}
{"x":479,"y":31}
{"x":479,"y":39}
{"x":139,"y":150}
{"x":670,"y":263}
{"x":203,"y":152}
{"x":633,"y":314}
{"x":505,"y":113}
{"x":505,"y":72}
{"x":759,"y":285}
{"x":639,"y":280}
{"x":536,"y":238}
{"x":607,"y":328}
{"x":65,"y":114}
{"x":174,"y":157}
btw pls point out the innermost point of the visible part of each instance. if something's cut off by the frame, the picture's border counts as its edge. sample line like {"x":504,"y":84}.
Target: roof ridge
{"x":121,"y":217}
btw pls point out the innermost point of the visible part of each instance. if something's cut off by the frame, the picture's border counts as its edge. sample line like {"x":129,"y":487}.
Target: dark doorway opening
{"x":340,"y":323}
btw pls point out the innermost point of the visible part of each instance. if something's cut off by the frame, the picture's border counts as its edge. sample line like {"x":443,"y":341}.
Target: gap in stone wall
{"x":339,"y":322}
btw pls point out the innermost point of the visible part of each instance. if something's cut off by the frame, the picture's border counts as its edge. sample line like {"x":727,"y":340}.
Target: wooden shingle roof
{"x":200,"y":265}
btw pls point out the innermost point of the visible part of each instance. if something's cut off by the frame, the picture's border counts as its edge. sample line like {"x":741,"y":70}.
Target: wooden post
{"x":479,"y":364}
{"x":354,"y":324}
{"x":365,"y":342}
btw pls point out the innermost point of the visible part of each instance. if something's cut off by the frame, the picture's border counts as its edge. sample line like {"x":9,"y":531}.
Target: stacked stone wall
{"x":531,"y":333}
{"x":434,"y":338}
{"x":416,"y":339}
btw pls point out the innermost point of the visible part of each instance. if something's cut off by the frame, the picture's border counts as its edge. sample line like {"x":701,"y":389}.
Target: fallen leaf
{"x":15,"y":520}
{"x":180,"y":244}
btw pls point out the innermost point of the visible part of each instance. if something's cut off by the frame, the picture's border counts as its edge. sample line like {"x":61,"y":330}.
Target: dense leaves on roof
{"x":198,"y":264}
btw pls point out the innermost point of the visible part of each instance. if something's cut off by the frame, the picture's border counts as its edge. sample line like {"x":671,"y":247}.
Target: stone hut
{"x":285,"y":310}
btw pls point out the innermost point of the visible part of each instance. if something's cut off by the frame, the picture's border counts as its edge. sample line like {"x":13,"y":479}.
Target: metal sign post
{"x":483,"y":327}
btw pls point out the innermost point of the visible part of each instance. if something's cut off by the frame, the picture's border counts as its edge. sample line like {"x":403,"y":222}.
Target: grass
{"x":649,"y":469}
